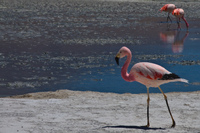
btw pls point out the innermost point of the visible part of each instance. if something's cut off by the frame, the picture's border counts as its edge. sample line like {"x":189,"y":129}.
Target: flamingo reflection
{"x":173,"y":37}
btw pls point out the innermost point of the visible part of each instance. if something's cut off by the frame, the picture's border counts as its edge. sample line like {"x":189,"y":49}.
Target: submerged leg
{"x":168,"y":26}
{"x":173,"y":122}
{"x":148,"y":99}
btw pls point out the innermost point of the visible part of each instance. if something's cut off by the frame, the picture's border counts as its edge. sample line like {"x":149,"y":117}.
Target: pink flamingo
{"x":148,"y":74}
{"x":168,"y":8}
{"x":179,"y":13}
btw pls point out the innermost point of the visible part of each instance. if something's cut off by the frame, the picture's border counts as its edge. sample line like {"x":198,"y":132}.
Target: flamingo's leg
{"x":178,"y":22}
{"x":169,"y":18}
{"x":148,"y":99}
{"x":173,"y":122}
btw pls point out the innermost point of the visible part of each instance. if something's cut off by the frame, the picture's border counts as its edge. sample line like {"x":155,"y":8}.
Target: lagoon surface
{"x":49,"y":45}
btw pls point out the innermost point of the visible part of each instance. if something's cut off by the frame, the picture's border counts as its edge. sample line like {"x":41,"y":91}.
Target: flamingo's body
{"x":148,"y":74}
{"x":179,"y":13}
{"x":169,"y":9}
{"x":152,"y":75}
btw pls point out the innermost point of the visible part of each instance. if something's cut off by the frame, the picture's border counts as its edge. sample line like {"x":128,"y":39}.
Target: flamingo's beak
{"x":117,"y":58}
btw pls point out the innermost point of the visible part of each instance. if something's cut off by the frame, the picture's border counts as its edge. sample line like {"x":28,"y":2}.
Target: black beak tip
{"x":117,"y":60}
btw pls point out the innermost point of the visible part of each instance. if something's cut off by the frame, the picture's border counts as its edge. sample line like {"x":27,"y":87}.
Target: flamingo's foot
{"x":148,"y":125}
{"x":173,"y":124}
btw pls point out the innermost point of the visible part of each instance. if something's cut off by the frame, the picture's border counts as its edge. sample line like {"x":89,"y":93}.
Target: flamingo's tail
{"x":181,"y":80}
{"x":173,"y":78}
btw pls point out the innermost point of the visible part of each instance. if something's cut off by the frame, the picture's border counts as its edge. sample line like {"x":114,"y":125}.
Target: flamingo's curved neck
{"x":125,"y":75}
{"x":187,"y":25}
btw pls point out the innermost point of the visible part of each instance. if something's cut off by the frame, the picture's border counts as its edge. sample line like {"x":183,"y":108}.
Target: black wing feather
{"x":170,"y":76}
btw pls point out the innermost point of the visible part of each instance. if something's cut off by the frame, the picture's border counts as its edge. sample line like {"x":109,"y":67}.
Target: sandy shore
{"x":67,"y":111}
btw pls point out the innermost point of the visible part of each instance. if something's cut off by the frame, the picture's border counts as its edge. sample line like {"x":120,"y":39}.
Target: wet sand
{"x":67,"y":111}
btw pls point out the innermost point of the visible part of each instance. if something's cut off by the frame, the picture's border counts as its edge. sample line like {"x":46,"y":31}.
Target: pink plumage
{"x":148,"y":74}
{"x":179,"y":13}
{"x":169,"y":9}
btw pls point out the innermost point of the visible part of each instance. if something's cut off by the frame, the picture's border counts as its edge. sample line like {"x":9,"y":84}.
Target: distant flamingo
{"x":179,"y":13}
{"x":168,"y":8}
{"x":148,"y":74}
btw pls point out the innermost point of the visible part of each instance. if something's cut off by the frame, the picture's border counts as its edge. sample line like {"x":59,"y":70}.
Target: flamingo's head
{"x":164,"y":8}
{"x":168,"y":8}
{"x":176,"y":12}
{"x":124,"y":51}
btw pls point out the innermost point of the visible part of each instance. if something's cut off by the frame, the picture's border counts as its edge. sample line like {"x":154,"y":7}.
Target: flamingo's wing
{"x":149,"y":70}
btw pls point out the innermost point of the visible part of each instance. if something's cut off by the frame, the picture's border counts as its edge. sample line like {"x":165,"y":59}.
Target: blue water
{"x":185,"y":63}
{"x":72,"y":45}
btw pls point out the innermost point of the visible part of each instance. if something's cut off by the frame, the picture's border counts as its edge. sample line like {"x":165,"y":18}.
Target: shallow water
{"x":49,"y":45}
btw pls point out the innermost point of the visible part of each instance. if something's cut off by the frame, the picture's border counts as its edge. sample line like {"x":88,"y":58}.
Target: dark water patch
{"x":186,"y":62}
{"x":156,"y":57}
